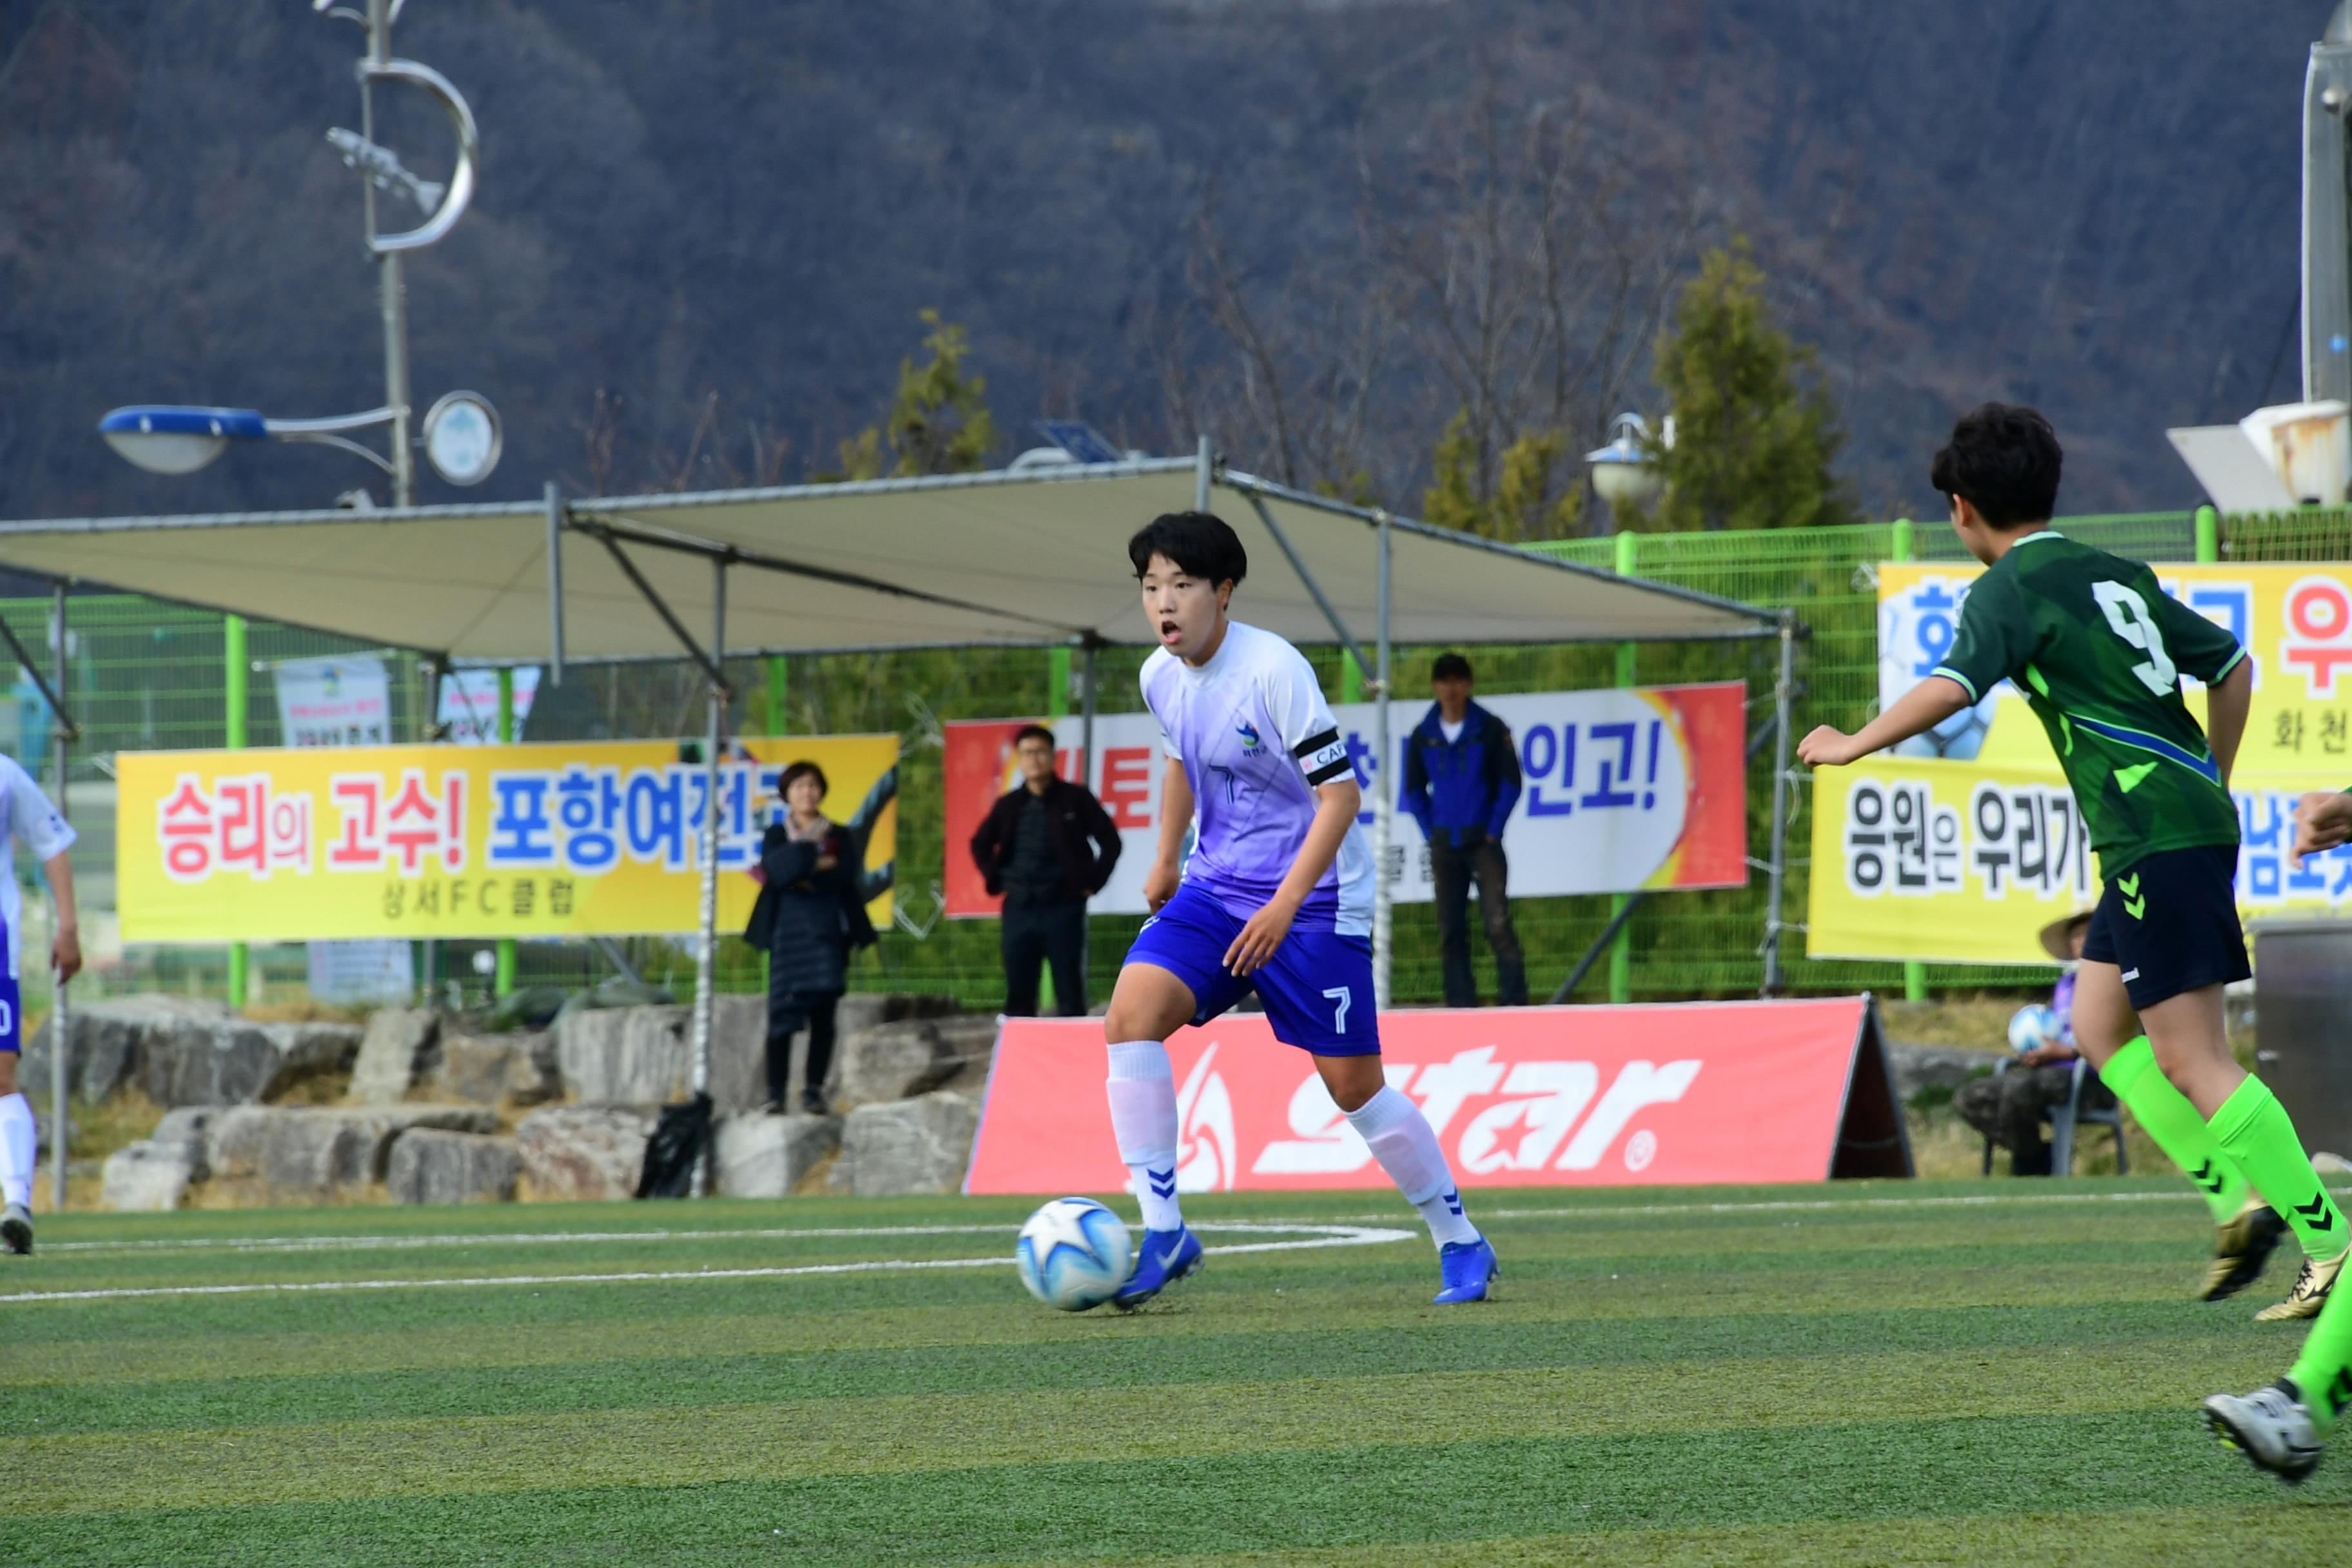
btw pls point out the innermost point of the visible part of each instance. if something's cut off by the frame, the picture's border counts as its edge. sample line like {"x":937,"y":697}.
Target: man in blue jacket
{"x":1461,"y":780}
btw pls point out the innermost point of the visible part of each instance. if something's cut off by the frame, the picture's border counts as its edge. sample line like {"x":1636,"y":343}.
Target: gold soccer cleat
{"x":2310,"y":1292}
{"x":2242,"y":1251}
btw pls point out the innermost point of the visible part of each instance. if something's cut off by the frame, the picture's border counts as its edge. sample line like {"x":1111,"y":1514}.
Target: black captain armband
{"x":1323,"y":757}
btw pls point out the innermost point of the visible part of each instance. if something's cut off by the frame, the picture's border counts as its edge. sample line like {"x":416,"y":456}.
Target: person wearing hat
{"x":2008,"y":1107}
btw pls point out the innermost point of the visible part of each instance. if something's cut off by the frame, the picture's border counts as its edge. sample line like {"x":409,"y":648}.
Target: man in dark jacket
{"x":1047,"y":846}
{"x":1461,"y":780}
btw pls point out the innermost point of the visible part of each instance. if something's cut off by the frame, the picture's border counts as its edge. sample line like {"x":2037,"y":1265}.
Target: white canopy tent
{"x":1029,"y":558}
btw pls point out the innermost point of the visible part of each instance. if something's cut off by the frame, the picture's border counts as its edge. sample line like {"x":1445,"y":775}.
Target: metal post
{"x":1086,"y":777}
{"x":555,"y":512}
{"x":1620,"y":951}
{"x":503,"y":984}
{"x":1384,"y":802}
{"x":390,"y":288}
{"x":60,"y":1033}
{"x":1900,"y":541}
{"x":1203,"y":473}
{"x":778,"y":672}
{"x":705,"y":957}
{"x":1783,"y":694}
{"x":1087,"y":717}
{"x":2208,"y":533}
{"x":234,"y":669}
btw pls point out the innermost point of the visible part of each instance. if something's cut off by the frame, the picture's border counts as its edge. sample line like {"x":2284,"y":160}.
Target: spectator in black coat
{"x":810,"y":917}
{"x":1047,"y":846}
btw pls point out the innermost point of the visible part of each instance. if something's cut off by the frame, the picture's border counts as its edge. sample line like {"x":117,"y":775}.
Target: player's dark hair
{"x":2004,"y":460}
{"x":1033,"y":731}
{"x":1201,"y":543}
{"x":798,"y":771}
{"x":1450,"y":667}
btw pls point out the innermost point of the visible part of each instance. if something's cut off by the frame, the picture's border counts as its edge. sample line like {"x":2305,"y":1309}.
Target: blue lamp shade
{"x":170,"y":439}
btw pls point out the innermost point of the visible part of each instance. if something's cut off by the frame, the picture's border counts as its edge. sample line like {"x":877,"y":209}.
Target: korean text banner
{"x":586,"y":839}
{"x":1917,"y":857}
{"x":1623,"y":789}
{"x":1731,"y":1092}
{"x":2294,"y":619}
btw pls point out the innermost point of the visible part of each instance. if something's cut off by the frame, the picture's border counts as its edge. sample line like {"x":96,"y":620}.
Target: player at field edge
{"x":2284,"y":1428}
{"x":1276,"y":898}
{"x":2098,"y":649}
{"x":42,"y":829}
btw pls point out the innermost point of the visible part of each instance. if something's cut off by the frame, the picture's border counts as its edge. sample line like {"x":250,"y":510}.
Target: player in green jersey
{"x":2098,"y":649}
{"x":2284,"y":1428}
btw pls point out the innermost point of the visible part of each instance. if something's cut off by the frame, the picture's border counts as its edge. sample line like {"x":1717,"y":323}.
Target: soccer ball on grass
{"x":1073,"y":1254}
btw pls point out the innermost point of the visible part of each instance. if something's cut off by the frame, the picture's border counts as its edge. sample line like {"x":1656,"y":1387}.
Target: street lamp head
{"x":165,"y":439}
{"x":1624,"y":473}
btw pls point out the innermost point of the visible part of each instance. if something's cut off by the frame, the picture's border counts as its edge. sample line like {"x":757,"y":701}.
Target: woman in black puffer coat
{"x":810,"y":917}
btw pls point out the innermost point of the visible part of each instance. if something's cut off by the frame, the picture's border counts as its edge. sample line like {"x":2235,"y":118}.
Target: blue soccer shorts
{"x":1317,"y":986}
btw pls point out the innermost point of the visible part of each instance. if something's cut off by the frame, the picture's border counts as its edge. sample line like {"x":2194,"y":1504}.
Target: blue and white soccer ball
{"x":1073,"y":1254}
{"x":2033,"y":1025}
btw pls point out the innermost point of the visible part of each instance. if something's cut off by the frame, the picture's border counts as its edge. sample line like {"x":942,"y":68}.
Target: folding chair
{"x":2063,"y":1118}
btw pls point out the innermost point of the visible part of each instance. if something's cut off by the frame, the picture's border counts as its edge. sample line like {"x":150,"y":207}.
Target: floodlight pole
{"x":61,"y":1036}
{"x":390,"y":289}
{"x":706,"y":960}
{"x":1783,"y":696}
{"x":1205,"y":464}
{"x":1384,"y":800}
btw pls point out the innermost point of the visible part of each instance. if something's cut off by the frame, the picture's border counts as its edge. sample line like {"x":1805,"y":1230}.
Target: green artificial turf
{"x":1899,"y":1373}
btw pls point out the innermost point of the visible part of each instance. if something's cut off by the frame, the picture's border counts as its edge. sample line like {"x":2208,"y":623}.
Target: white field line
{"x":1324,"y":1236}
{"x":495,"y":1238}
{"x":1780,"y":1205}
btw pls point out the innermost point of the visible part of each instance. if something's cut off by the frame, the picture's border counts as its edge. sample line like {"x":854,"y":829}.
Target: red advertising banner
{"x":1656,"y":1095}
{"x":1624,"y":789}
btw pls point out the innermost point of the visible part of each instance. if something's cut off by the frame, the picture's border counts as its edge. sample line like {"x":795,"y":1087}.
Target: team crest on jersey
{"x":1248,"y":733}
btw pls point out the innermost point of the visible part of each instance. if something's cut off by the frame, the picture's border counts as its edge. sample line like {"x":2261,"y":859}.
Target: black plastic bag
{"x":676,"y":1146}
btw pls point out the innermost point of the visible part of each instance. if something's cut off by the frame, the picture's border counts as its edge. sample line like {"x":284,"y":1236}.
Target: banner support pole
{"x":555,"y":515}
{"x":1783,"y":696}
{"x":705,"y":958}
{"x":1384,"y":800}
{"x":60,"y":1034}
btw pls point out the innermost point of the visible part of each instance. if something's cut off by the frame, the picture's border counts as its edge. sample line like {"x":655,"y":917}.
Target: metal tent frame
{"x":636,"y":534}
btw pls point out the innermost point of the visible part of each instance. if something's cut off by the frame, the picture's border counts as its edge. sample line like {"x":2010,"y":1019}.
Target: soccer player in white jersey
{"x":1277,"y":899}
{"x":26,"y":813}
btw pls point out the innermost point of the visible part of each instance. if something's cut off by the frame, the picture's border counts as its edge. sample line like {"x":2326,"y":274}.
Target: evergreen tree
{"x":1754,"y":430}
{"x":940,"y":422}
{"x":1518,"y":505}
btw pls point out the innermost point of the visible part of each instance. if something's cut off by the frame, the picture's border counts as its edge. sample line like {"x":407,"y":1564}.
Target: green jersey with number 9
{"x":2098,"y":649}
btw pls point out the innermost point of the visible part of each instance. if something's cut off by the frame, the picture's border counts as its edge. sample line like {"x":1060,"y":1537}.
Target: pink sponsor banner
{"x":1686,"y":1093}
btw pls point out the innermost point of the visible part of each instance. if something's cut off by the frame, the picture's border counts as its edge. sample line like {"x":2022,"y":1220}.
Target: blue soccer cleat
{"x":1467,"y":1267}
{"x":1161,"y":1258}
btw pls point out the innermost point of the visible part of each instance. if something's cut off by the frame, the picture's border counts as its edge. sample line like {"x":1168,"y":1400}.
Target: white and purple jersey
{"x":26,"y":812}
{"x":1255,"y":738}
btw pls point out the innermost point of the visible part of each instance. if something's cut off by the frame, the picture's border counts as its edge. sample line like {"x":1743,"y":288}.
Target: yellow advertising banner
{"x":2294,"y":619}
{"x":1923,"y":857}
{"x":564,"y":839}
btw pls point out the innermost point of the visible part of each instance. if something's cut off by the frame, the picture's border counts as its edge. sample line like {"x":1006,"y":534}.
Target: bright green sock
{"x":2253,"y":1129}
{"x":2165,"y":1112}
{"x":2323,"y":1373}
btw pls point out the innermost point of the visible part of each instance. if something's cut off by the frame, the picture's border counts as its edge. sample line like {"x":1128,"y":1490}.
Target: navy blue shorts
{"x":2169,"y":922}
{"x":1317,"y":986}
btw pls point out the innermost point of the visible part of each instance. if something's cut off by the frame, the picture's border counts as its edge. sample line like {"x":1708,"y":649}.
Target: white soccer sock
{"x":1406,"y":1146}
{"x":19,"y":1138}
{"x":1142,"y":1089}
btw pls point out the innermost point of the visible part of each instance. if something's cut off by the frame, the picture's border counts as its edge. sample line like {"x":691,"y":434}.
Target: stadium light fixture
{"x":460,"y":434}
{"x":1625,"y":472}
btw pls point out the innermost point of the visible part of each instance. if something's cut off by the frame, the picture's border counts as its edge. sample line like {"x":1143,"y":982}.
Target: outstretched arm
{"x":1920,"y":709}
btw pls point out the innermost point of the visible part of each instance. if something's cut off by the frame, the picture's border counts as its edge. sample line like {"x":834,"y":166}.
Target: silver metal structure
{"x":2327,"y":213}
{"x":60,"y":1030}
